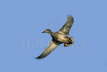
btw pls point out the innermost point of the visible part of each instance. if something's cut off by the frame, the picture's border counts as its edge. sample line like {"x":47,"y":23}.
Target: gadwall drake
{"x":59,"y":37}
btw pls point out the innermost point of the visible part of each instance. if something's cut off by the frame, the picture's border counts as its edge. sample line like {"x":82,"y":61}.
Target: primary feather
{"x":48,"y":50}
{"x":67,"y":26}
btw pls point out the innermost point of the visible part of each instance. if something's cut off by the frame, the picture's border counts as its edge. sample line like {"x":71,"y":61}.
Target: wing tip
{"x":38,"y":57}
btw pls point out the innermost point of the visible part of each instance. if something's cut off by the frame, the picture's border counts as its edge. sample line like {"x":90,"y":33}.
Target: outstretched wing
{"x":67,"y":26}
{"x":48,"y":50}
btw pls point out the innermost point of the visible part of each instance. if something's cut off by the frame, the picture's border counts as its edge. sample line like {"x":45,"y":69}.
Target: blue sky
{"x":21,"y":24}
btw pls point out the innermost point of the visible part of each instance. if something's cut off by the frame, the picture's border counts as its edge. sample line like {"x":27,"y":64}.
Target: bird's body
{"x":60,"y":37}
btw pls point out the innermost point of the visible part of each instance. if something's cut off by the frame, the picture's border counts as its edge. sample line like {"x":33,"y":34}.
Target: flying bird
{"x":59,"y":37}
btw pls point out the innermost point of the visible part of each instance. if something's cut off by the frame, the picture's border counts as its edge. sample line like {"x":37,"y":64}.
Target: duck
{"x":60,"y":37}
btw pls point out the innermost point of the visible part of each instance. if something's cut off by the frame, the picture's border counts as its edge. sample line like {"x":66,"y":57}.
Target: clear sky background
{"x":21,"y":40}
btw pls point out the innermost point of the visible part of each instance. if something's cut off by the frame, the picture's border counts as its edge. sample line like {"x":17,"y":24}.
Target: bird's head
{"x":47,"y":31}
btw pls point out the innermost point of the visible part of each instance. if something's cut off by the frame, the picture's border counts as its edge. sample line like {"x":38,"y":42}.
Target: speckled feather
{"x":67,"y":26}
{"x":48,"y":50}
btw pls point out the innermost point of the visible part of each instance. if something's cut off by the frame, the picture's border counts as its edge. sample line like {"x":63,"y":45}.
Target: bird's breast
{"x":62,"y":38}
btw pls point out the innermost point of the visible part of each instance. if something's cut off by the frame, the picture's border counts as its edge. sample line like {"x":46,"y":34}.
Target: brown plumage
{"x":60,"y":37}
